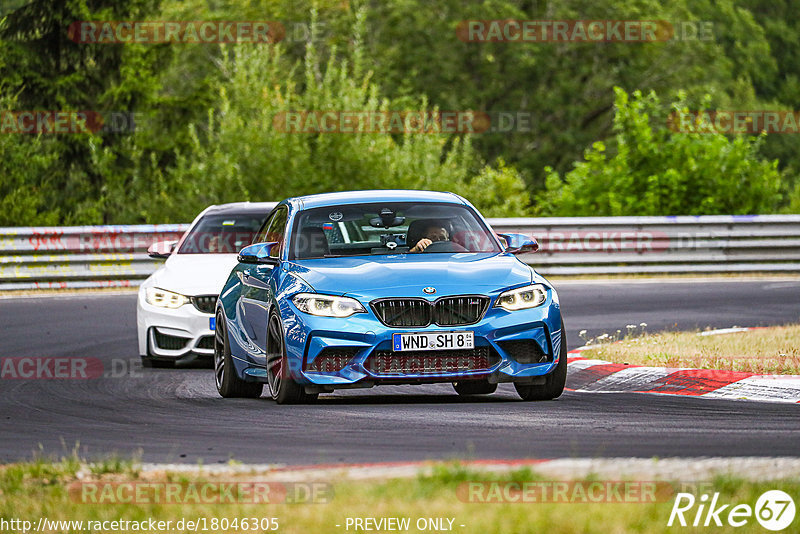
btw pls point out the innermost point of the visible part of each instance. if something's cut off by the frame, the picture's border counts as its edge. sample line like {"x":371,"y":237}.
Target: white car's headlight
{"x":522,"y":298}
{"x":327,"y":305}
{"x":164,"y":299}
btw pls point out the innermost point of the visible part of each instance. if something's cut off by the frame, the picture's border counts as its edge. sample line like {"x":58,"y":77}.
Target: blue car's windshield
{"x":388,"y":228}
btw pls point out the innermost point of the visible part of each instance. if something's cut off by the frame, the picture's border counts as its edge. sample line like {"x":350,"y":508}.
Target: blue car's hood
{"x":405,"y":275}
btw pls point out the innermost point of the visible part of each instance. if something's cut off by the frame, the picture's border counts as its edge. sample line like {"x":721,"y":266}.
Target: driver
{"x":433,"y":232}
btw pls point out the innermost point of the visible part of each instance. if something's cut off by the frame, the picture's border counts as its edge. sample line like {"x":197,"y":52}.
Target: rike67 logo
{"x":774,"y":510}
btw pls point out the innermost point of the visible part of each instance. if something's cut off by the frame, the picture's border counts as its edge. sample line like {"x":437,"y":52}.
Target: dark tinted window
{"x":275,"y":230}
{"x":222,"y":234}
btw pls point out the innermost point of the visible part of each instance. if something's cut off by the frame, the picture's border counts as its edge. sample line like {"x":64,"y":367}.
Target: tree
{"x":658,"y":171}
{"x":565,"y":87}
{"x":242,"y":152}
{"x":24,"y":166}
{"x":46,"y":70}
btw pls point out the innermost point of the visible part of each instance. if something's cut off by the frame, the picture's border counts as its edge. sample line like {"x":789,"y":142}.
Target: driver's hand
{"x":421,"y":245}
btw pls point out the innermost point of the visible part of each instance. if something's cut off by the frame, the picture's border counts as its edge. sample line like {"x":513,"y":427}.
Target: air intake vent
{"x":525,"y":351}
{"x":206,"y":342}
{"x":168,"y":342}
{"x":332,"y":359}
{"x":393,"y":364}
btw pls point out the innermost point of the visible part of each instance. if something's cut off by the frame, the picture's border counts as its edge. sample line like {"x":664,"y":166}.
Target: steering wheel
{"x":444,"y":246}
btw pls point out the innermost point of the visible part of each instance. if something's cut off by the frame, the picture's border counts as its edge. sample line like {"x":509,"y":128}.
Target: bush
{"x":658,"y":171}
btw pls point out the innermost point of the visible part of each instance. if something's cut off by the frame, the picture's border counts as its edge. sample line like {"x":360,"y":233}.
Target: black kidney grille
{"x":403,"y":312}
{"x":205,"y":303}
{"x":447,"y":311}
{"x":455,"y":311}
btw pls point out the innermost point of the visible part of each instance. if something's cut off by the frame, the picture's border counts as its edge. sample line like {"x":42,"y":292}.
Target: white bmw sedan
{"x":175,"y":308}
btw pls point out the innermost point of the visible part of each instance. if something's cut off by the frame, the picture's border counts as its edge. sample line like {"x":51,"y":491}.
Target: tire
{"x":283,"y":389}
{"x":228,"y":383}
{"x":554,"y":385}
{"x":474,"y":387}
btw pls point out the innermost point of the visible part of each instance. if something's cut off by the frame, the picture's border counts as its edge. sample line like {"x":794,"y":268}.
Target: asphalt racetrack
{"x":175,"y":415}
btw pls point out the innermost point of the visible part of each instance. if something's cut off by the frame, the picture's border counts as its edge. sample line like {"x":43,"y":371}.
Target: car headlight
{"x":163,"y":298}
{"x":327,"y":305}
{"x":522,"y":298}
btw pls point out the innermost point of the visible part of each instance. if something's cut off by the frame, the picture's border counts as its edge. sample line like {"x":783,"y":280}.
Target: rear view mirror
{"x":161,"y":249}
{"x":386,"y":219}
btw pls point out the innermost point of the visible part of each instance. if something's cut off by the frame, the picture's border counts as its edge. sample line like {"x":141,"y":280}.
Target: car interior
{"x":359,"y":230}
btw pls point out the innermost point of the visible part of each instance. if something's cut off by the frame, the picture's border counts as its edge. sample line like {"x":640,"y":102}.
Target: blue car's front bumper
{"x":335,"y":353}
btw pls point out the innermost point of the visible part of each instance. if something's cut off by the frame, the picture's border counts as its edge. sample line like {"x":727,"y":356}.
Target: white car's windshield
{"x":389,"y":228}
{"x":222,"y":234}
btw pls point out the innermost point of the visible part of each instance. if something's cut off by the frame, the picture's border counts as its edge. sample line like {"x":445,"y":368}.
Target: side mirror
{"x":519,"y":244}
{"x":161,"y":249}
{"x":258,"y":253}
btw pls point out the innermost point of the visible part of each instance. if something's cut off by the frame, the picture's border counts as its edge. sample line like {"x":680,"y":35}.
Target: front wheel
{"x":228,"y":382}
{"x":554,"y":385}
{"x":283,"y":389}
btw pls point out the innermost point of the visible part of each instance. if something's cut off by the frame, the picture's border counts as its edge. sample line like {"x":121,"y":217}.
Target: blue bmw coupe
{"x":357,"y":289}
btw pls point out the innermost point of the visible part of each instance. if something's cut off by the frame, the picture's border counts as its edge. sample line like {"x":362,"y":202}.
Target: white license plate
{"x":433,"y":341}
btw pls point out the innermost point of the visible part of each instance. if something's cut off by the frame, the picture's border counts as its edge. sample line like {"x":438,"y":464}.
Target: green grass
{"x":771,"y":350}
{"x":40,"y":488}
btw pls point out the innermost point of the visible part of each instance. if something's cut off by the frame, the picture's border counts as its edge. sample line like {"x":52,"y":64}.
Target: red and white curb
{"x":599,"y":376}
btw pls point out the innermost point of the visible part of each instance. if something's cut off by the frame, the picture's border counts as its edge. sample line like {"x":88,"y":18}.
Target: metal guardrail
{"x":116,"y":256}
{"x":80,"y":256}
{"x":680,"y":244}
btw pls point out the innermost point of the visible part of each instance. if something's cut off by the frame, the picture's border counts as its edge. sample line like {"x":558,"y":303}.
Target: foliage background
{"x":598,"y":145}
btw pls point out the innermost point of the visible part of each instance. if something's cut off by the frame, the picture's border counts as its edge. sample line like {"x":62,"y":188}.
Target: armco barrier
{"x":115,"y":256}
{"x":681,"y":244}
{"x":80,"y":256}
